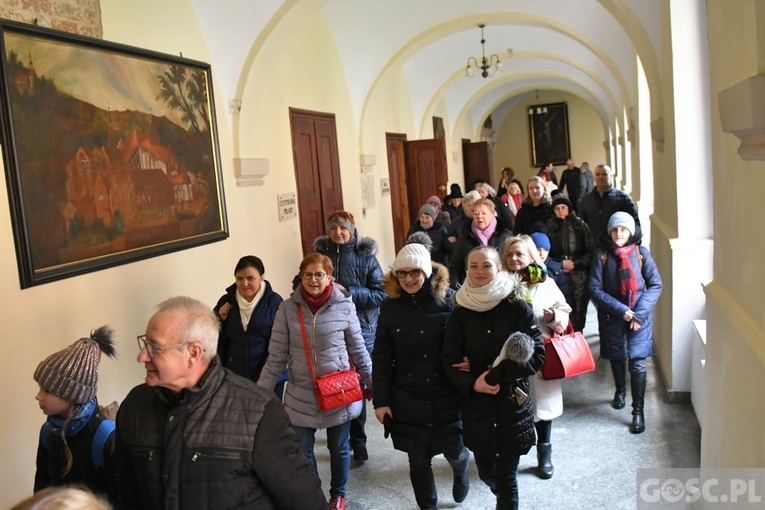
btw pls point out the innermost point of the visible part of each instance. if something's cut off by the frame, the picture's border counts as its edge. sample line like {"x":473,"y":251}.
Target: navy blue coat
{"x":617,"y":340}
{"x":245,"y":352}
{"x":406,"y":366}
{"x":357,"y":269}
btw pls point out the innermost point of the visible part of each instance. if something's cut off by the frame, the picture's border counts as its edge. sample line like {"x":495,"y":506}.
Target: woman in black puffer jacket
{"x":410,"y":386}
{"x":497,"y":415}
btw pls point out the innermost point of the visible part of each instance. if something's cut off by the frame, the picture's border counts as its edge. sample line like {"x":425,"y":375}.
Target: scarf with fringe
{"x":627,"y":280}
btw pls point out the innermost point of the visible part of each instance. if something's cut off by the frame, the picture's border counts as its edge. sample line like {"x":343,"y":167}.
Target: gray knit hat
{"x":72,"y":373}
{"x":429,"y":210}
{"x":621,"y":219}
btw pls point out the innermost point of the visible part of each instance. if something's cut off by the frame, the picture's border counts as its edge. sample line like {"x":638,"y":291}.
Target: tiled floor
{"x":594,"y":454}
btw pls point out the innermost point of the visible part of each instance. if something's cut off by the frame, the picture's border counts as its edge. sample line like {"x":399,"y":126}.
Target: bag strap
{"x":305,"y":342}
{"x":105,"y":429}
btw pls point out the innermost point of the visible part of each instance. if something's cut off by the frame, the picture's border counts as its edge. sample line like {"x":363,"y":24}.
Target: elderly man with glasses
{"x":195,"y":435}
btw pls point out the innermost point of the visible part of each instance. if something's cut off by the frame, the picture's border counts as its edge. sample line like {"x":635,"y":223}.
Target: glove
{"x":387,"y":425}
{"x":496,"y":374}
{"x":368,"y":393}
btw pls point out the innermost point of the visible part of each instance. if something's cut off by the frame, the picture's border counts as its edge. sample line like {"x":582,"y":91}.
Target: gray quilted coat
{"x":333,"y":335}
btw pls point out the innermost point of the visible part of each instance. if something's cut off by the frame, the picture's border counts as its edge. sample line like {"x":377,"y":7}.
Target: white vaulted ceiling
{"x":589,"y":48}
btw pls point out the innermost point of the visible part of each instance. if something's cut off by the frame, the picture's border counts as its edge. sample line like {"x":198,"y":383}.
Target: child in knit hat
{"x":77,"y":440}
{"x":625,"y":285}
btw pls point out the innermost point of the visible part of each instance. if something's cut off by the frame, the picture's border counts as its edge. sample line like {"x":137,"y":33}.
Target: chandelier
{"x":537,"y":109}
{"x":488,"y":66}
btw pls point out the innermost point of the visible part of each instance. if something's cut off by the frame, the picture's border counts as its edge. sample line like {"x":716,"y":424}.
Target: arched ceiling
{"x":589,"y":48}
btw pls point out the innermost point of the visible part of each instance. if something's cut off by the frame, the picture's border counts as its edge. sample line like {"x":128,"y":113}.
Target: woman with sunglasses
{"x":325,"y":314}
{"x":412,"y":396}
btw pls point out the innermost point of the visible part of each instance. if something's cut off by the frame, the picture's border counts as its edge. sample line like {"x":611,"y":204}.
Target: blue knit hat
{"x":541,"y":240}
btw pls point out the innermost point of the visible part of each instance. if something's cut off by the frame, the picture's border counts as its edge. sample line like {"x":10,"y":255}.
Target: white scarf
{"x":246,"y":308}
{"x":481,"y":299}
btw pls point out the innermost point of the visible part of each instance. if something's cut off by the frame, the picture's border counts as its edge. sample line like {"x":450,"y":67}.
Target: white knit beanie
{"x":413,"y":256}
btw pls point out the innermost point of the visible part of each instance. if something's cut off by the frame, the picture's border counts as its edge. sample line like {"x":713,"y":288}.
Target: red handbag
{"x":567,"y":355}
{"x":332,"y":390}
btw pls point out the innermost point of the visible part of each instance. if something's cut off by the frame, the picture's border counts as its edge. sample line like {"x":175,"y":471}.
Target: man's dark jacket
{"x":223,"y":444}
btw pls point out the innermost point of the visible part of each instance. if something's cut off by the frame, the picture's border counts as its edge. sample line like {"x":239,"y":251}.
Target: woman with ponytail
{"x":77,"y":440}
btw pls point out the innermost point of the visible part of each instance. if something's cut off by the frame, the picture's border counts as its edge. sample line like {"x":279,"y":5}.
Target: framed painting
{"x":548,"y":126}
{"x":110,"y":153}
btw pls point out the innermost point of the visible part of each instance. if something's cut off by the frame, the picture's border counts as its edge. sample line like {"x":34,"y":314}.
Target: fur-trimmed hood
{"x":362,"y":246}
{"x":439,"y":283}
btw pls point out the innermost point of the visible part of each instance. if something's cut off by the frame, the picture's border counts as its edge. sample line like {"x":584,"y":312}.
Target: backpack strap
{"x":105,"y":429}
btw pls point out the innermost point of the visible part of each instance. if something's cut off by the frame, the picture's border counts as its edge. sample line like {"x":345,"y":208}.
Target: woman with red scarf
{"x":324,"y":312}
{"x":625,"y":285}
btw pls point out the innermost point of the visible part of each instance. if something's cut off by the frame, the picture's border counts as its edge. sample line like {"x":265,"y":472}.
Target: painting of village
{"x":112,"y":158}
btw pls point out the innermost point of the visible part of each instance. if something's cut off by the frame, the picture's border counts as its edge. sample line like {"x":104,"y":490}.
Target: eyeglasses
{"x":311,"y":276}
{"x":154,"y":349}
{"x":414,"y":273}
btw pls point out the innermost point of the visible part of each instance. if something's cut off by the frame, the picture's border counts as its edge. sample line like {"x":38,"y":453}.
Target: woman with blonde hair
{"x":536,"y":210}
{"x":521,"y":257}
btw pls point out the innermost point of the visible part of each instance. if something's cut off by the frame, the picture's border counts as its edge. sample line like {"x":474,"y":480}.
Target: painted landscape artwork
{"x":113,"y":154}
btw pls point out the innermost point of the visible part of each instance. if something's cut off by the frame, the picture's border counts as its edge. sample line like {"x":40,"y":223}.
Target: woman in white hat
{"x":412,"y":396}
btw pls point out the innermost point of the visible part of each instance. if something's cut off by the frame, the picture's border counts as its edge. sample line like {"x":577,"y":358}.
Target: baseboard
{"x":677,"y":397}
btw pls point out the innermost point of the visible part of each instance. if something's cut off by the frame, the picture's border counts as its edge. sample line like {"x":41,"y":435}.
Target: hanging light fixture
{"x":488,"y":66}
{"x":537,"y":109}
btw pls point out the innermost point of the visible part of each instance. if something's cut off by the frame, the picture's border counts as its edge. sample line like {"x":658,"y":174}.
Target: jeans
{"x":501,"y":475}
{"x":339,"y":454}
{"x":358,"y":434}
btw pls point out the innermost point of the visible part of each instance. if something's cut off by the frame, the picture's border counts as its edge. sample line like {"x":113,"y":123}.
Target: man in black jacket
{"x":197,"y":436}
{"x":571,"y":179}
{"x":599,"y":204}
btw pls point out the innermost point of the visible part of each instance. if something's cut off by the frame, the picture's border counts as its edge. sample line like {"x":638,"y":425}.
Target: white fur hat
{"x":413,"y":256}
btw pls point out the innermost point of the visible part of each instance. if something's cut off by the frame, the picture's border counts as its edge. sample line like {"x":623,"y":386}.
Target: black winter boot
{"x":637,"y":383}
{"x":544,"y":459}
{"x":424,"y":488}
{"x":619,"y":369}
{"x":461,"y":484}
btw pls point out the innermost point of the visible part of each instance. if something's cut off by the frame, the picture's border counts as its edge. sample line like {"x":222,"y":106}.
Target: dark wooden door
{"x":476,"y":160}
{"x":317,"y":172}
{"x":399,"y":200}
{"x":426,"y":171}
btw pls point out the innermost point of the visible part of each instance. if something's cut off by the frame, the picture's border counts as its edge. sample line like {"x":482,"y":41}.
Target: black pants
{"x":358,"y":434}
{"x":421,"y":472}
{"x":501,"y":475}
{"x":579,"y":280}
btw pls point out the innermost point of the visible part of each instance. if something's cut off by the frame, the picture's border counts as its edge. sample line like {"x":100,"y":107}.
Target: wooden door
{"x":476,"y":162}
{"x":399,"y":201}
{"x":426,"y":171}
{"x":317,"y":172}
